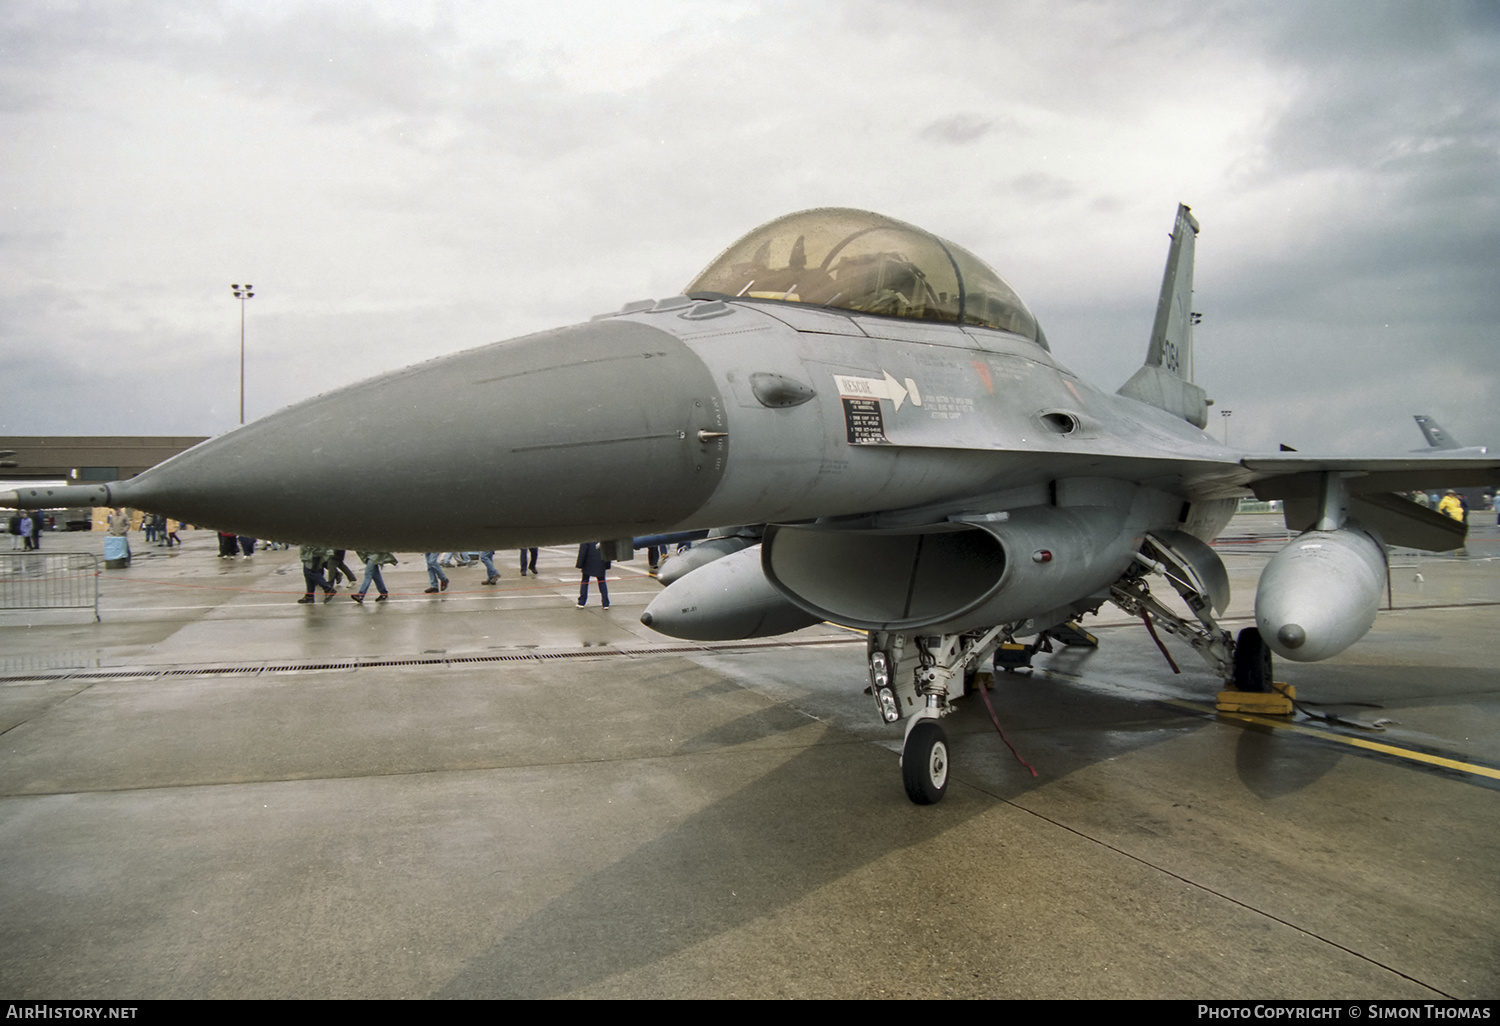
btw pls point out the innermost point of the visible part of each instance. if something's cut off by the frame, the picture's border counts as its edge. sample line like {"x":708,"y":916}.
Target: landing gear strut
{"x":1197,"y":575}
{"x":916,"y":677}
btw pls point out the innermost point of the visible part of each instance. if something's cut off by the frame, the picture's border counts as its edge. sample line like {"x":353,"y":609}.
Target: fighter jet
{"x":883,"y":420}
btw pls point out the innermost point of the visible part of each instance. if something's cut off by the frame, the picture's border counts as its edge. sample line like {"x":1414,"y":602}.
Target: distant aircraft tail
{"x":1436,"y":437}
{"x":1166,"y":379}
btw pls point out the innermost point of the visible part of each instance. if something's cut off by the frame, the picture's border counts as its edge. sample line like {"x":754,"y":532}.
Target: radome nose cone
{"x":590,"y":431}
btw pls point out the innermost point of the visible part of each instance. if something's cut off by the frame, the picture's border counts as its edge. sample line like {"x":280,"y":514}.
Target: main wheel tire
{"x":1252,"y":661}
{"x":924,"y":763}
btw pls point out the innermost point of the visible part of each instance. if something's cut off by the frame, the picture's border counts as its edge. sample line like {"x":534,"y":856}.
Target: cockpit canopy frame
{"x":865,"y":262}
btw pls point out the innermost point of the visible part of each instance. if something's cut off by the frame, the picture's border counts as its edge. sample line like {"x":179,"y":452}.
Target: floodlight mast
{"x":242,"y":293}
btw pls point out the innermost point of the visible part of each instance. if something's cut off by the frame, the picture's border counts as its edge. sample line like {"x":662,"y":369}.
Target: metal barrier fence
{"x":49,"y":580}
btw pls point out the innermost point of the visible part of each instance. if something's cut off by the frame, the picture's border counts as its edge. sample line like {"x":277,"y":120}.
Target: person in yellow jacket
{"x":1452,"y":505}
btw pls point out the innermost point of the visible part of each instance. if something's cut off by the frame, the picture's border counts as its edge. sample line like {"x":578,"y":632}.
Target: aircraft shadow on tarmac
{"x":804,"y":825}
{"x":821,"y":816}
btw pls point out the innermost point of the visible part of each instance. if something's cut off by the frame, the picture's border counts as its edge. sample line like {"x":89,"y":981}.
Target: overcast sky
{"x":402,"y":180}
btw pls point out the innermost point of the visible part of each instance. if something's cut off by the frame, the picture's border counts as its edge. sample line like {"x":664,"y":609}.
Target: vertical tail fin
{"x":1166,"y":379}
{"x":1436,"y":437}
{"x":1171,"y":345}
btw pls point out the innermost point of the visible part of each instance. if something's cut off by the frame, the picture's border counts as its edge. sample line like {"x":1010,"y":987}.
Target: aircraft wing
{"x":1298,"y":481}
{"x":1296,"y":475}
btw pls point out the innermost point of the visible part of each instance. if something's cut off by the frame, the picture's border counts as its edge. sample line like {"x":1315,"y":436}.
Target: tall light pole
{"x":1226,"y":414}
{"x":242,"y":293}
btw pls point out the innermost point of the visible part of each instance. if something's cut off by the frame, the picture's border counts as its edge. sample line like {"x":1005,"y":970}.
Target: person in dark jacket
{"x":593,"y":564}
{"x":336,"y":566}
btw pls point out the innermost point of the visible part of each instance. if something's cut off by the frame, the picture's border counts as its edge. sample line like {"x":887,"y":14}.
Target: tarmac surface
{"x":215,"y":792}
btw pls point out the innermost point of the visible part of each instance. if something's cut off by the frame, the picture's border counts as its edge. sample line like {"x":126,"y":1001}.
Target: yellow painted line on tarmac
{"x":1354,"y":742}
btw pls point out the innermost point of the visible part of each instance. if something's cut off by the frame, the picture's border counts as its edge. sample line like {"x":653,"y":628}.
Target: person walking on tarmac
{"x":373,"y":562}
{"x":336,"y":566}
{"x":491,"y":575}
{"x":1452,"y":505}
{"x":313,"y":558}
{"x":593,"y":564}
{"x":437,"y":580}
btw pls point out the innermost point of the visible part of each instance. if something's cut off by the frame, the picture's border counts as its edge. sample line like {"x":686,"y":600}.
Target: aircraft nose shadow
{"x":759,"y":725}
{"x":811,"y":821}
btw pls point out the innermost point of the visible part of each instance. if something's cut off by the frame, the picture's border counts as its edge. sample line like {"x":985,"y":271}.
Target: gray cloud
{"x":404,"y":181}
{"x":957,"y":129}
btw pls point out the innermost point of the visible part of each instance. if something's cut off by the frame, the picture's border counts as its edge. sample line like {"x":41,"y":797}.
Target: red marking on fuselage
{"x":983,"y":370}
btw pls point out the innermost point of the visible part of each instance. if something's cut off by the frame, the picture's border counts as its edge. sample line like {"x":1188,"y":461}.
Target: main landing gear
{"x":1252,"y":662}
{"x":917,"y":677}
{"x":1197,"y":575}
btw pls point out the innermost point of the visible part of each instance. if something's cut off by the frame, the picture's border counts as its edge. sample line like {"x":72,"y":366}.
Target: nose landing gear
{"x":924,"y":761}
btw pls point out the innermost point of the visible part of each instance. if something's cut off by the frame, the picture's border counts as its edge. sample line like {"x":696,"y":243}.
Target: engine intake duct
{"x":949,"y":577}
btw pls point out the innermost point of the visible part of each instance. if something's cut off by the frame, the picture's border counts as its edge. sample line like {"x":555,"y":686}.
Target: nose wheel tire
{"x":924,"y":763}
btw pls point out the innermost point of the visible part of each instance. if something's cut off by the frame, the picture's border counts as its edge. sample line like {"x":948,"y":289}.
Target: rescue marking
{"x":863,"y":422}
{"x":878,"y":388}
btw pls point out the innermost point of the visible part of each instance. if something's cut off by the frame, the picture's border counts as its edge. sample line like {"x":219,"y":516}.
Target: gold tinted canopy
{"x":867,"y":263}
